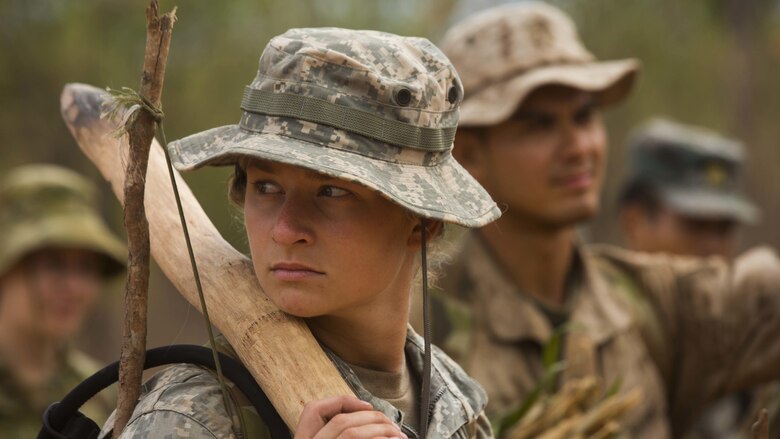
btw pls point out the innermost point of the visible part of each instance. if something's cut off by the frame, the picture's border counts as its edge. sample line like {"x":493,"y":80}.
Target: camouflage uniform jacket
{"x":683,"y":330}
{"x":185,"y":401}
{"x":21,"y":412}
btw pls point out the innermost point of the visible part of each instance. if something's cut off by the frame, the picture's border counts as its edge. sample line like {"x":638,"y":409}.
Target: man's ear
{"x":469,"y":150}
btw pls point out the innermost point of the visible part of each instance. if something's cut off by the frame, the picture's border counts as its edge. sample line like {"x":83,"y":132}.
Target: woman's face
{"x":323,"y":246}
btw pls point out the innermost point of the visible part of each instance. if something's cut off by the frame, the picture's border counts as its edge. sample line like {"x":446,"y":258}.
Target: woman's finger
{"x":317,"y":413}
{"x":353,"y":425}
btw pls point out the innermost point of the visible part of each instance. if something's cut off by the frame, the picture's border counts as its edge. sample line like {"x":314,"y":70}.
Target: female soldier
{"x":342,"y":164}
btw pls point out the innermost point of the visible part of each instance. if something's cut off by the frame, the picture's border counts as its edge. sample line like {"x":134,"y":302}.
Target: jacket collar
{"x":513,"y":316}
{"x":456,"y":399}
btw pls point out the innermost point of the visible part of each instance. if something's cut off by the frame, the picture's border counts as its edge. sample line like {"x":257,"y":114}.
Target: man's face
{"x":546,"y":163}
{"x":670,"y":232}
{"x":51,"y":292}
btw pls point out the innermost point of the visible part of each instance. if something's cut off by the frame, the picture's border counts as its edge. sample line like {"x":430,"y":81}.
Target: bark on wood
{"x":278,"y":349}
{"x":141,"y":133}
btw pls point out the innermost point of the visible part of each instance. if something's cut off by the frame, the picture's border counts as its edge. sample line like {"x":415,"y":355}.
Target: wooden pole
{"x":278,"y":349}
{"x":141,"y":133}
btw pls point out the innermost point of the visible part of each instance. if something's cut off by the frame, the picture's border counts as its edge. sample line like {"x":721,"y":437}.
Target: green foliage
{"x":553,"y":367}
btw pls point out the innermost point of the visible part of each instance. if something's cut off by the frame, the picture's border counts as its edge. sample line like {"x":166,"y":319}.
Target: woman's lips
{"x":290,"y":271}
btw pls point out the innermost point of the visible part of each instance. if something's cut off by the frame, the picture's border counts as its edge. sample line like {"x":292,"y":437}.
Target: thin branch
{"x":141,"y":133}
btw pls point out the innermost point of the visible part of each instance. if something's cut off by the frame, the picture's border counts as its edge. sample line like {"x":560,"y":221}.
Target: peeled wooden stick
{"x":278,"y":349}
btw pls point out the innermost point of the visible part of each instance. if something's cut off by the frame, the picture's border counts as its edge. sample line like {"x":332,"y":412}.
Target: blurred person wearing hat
{"x":532,"y":134}
{"x":342,"y":166}
{"x":682,"y":197}
{"x":56,"y":253}
{"x":682,"y":194}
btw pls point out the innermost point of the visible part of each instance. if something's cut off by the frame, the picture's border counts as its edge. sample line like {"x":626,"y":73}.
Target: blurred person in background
{"x":683,"y":331}
{"x":682,"y":197}
{"x":682,"y":194}
{"x":56,"y":254}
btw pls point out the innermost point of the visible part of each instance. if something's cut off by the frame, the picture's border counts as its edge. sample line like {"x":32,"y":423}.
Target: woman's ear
{"x":469,"y":150}
{"x":433,"y":229}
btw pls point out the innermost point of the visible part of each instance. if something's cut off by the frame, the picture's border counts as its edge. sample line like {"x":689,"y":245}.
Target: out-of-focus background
{"x":714,"y":63}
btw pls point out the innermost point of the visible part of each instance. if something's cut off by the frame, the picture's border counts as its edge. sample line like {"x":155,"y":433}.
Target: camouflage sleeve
{"x":183,"y":401}
{"x":167,"y":424}
{"x":719,"y":324}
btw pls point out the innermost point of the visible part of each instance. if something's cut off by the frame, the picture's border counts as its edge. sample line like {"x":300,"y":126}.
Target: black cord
{"x":425,"y":396}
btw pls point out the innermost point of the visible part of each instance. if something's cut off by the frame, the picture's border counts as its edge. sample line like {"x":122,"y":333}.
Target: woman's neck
{"x":536,"y":258}
{"x":372,"y":336}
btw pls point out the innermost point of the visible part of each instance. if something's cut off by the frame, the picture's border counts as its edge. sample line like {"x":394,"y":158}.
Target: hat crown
{"x":671,"y":154}
{"x":34,"y":192}
{"x":399,"y":82}
{"x":512,"y":39}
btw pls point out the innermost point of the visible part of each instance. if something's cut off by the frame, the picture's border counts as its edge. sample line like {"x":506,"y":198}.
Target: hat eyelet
{"x":403,"y":97}
{"x":452,"y":95}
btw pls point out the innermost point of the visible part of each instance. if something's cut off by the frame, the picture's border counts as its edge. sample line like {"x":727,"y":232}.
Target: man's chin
{"x":575,"y":215}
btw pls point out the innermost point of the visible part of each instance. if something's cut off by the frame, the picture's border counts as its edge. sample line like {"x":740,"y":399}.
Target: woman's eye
{"x":333,"y":191}
{"x":267,"y":187}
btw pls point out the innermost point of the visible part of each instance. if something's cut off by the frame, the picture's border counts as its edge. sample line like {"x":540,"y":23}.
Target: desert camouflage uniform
{"x":185,"y":401}
{"x":685,"y":331}
{"x":21,"y":411}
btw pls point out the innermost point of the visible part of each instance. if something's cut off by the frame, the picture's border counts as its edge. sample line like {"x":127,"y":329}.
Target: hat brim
{"x":706,"y":204}
{"x":66,"y":231}
{"x":444,"y":191}
{"x":611,"y":81}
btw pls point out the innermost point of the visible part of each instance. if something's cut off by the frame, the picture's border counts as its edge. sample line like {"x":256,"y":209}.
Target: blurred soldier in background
{"x":682,"y":195}
{"x":683,"y":331}
{"x":55,"y":255}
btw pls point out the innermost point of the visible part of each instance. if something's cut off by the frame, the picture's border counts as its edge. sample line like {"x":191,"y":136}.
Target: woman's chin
{"x":297,"y":306}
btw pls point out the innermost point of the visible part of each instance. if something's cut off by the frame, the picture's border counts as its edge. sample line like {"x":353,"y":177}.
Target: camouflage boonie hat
{"x":694,"y":171}
{"x":49,"y":206}
{"x":369,"y":107}
{"x":504,"y":53}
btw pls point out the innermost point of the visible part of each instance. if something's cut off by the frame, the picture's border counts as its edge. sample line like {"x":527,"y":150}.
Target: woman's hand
{"x":344,"y":417}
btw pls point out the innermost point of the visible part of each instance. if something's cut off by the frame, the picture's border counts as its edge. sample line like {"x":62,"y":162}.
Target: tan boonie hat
{"x":49,"y":206}
{"x":694,"y":171}
{"x":504,"y":53}
{"x":364,"y":106}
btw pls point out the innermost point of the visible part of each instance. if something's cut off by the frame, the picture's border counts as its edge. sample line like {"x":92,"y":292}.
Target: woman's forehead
{"x":271,"y":167}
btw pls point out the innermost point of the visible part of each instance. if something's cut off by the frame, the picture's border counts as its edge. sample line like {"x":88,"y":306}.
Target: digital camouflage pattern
{"x":185,"y":401}
{"x":50,"y":206}
{"x":694,"y":171}
{"x":505,"y":52}
{"x":21,"y":411}
{"x":364,"y":106}
{"x":685,"y":331}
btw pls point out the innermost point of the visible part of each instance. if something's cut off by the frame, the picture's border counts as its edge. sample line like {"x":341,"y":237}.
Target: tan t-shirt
{"x":401,"y":389}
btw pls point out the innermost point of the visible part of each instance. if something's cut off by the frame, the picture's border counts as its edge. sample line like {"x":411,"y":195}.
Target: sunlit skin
{"x":343,"y":257}
{"x":546,"y":163}
{"x":44,"y":300}
{"x":544,"y":166}
{"x":670,"y":232}
{"x":336,"y":253}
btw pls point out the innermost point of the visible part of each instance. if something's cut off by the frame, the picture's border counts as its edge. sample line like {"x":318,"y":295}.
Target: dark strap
{"x":62,"y":420}
{"x":425,"y":393}
{"x":353,"y":120}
